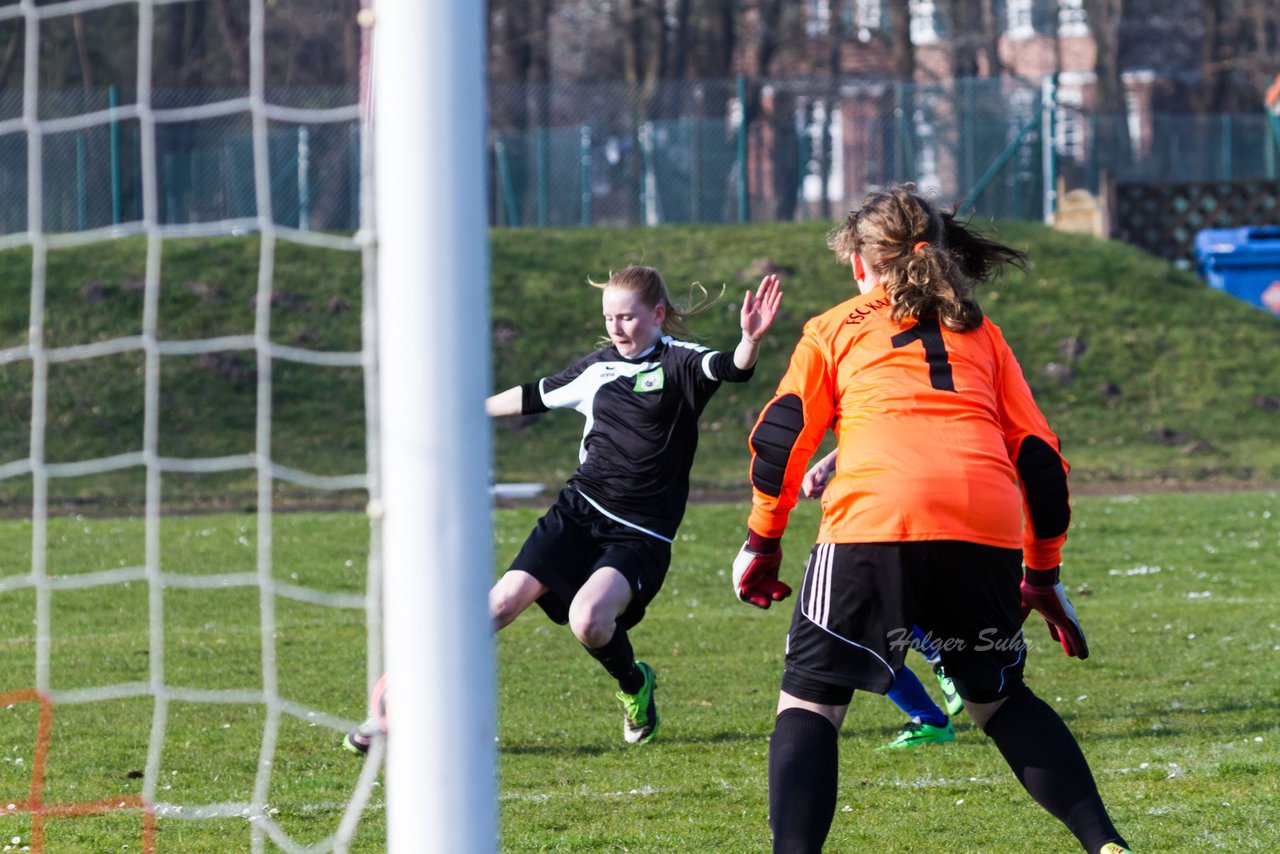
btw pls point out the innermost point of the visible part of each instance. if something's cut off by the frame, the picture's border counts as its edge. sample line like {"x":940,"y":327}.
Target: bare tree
{"x":991,"y":34}
{"x":903,"y":51}
{"x":1237,"y":58}
{"x":233,"y":18}
{"x":1104,"y":18}
{"x":835,"y":65}
{"x":680,"y":41}
{"x":968,"y":36}
{"x":721,"y":37}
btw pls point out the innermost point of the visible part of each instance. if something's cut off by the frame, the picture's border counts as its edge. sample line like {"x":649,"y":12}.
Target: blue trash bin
{"x":1243,"y":262}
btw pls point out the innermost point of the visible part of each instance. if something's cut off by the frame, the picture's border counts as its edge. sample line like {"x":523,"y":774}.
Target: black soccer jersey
{"x":642,"y":426}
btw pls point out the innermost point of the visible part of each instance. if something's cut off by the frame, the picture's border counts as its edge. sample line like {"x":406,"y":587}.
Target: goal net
{"x":196,"y":352}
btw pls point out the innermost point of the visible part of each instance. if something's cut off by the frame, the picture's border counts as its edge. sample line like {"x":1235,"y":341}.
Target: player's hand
{"x":759,"y":311}
{"x":755,"y":571}
{"x":1042,"y":592}
{"x":815,"y":479}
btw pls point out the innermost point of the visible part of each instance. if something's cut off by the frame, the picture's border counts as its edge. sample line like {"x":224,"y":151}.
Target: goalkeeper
{"x":600,"y":554}
{"x":947,"y":480}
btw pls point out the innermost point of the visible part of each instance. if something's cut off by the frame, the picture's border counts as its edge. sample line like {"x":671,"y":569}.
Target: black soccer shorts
{"x":574,"y":539}
{"x":851,"y":627}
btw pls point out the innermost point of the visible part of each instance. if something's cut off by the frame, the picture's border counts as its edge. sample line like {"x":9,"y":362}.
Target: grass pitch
{"x":1175,"y":708}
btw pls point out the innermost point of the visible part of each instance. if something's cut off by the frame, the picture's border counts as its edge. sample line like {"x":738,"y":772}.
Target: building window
{"x":1020,"y":19}
{"x":1071,"y":18}
{"x":817,"y":21}
{"x":1070,"y":124}
{"x":924,"y":22}
{"x":867,"y":18}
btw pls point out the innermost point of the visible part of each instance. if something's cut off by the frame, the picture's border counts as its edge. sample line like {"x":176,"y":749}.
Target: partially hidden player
{"x":927,"y":722}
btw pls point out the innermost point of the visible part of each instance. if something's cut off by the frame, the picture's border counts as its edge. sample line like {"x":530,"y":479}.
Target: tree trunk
{"x":680,"y":40}
{"x":991,"y":38}
{"x":903,"y":51}
{"x":722,"y":41}
{"x":1104,"y":24}
{"x":966,"y":36}
{"x":834,"y":69}
{"x":236,"y":31}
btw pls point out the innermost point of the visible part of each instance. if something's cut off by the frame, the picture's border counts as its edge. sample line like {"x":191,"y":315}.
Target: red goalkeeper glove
{"x":755,"y":571}
{"x":1042,"y":592}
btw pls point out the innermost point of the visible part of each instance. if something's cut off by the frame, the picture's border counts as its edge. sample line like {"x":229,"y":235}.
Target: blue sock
{"x":923,"y":644}
{"x":910,"y":696}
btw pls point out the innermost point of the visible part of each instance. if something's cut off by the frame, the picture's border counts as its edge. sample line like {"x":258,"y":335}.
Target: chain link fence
{"x":607,"y":153}
{"x":580,"y":154}
{"x":92,"y":159}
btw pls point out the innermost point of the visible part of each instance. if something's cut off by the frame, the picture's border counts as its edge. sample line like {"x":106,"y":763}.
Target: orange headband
{"x":915,"y":249}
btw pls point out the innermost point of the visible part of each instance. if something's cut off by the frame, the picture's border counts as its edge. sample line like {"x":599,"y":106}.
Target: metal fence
{"x":92,"y":170}
{"x":575,"y":154}
{"x":578,"y":154}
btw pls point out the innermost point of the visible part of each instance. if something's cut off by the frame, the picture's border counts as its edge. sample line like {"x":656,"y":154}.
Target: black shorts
{"x":573,"y":540}
{"x":855,"y":609}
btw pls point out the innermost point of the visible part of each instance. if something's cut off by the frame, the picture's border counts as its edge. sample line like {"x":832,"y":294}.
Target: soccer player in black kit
{"x":600,"y":554}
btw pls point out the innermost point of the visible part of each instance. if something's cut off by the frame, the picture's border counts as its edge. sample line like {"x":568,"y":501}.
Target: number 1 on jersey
{"x":929,"y":333}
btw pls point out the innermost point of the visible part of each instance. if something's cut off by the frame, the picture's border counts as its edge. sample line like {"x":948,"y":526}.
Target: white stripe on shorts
{"x":820,"y":584}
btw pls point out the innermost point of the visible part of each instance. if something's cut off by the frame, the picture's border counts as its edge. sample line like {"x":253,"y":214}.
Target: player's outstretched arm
{"x":504,"y":402}
{"x":1042,"y":592}
{"x":757,"y":315}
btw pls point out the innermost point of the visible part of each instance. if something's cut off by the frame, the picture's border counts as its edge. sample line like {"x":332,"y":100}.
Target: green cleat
{"x":640,"y":712}
{"x":950,"y":699}
{"x":1114,"y":848}
{"x":920,"y":733}
{"x":359,"y":739}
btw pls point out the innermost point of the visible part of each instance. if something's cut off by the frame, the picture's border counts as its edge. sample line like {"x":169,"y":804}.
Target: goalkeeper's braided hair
{"x":928,"y":261}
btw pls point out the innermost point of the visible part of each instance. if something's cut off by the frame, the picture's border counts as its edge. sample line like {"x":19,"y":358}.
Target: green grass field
{"x":1149,"y":377}
{"x":1175,"y":708}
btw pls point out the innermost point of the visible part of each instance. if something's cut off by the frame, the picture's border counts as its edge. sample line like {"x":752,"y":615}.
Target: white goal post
{"x":433,"y":275}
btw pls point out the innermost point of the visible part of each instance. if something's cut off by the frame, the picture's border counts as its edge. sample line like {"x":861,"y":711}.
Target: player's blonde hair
{"x":647,"y":283}
{"x":928,"y":261}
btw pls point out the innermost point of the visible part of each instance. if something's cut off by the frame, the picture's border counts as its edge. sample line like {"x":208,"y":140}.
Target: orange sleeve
{"x":1042,"y":470}
{"x":788,"y":431}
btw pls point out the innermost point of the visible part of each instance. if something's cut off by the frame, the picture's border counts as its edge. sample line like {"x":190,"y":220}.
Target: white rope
{"x":152,"y":572}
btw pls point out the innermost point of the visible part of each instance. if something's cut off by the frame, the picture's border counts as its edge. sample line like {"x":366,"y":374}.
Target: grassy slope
{"x":1193,"y":372}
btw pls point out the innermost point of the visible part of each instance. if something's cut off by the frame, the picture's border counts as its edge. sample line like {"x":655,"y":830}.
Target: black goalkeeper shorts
{"x":853,"y":616}
{"x":573,"y":540}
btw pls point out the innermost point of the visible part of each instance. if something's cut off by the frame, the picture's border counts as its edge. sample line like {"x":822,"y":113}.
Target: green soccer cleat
{"x":359,"y":739}
{"x":1114,"y":848}
{"x":950,"y":698}
{"x":640,"y":712}
{"x":916,"y":733}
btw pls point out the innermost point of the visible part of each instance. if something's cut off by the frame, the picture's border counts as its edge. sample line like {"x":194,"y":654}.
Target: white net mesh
{"x":56,"y":726}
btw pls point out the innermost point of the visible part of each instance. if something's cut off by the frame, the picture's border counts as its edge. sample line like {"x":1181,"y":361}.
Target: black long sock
{"x":803,"y":769}
{"x":619,"y":660}
{"x":1048,"y":763}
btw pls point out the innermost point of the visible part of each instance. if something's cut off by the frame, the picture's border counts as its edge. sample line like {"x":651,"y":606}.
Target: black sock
{"x":803,"y":769}
{"x":1048,"y":763}
{"x":618,"y":658}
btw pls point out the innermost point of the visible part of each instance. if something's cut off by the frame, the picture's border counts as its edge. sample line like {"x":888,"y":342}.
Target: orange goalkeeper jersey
{"x":938,"y":435}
